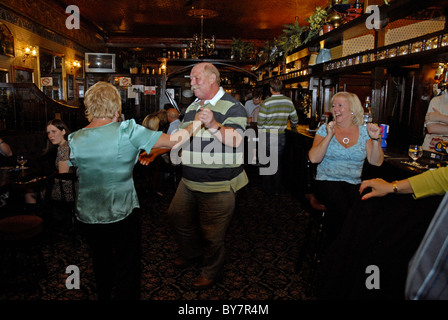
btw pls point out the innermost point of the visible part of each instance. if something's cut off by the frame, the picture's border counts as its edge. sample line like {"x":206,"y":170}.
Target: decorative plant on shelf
{"x":316,"y":21}
{"x":242,"y":49}
{"x":291,"y":37}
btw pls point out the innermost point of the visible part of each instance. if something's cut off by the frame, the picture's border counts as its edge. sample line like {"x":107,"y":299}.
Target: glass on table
{"x":22,"y":161}
{"x":415,"y":152}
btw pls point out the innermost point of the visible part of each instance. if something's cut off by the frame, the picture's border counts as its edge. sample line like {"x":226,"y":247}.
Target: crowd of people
{"x":367,"y":222}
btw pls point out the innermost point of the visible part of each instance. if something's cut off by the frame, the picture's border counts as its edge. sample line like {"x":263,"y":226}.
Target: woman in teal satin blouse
{"x":104,"y":154}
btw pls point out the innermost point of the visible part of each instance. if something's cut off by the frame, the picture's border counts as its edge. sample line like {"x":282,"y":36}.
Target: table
{"x":399,"y":160}
{"x":8,"y":175}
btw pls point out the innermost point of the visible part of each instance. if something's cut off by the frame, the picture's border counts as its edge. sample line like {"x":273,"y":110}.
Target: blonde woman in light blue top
{"x":340,"y":148}
{"x":104,"y":154}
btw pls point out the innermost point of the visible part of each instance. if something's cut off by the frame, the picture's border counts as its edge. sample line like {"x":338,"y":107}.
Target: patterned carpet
{"x":262,"y":245}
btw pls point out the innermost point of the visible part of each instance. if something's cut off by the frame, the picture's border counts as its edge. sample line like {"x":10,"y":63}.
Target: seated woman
{"x":341,"y":148}
{"x":57,"y":133}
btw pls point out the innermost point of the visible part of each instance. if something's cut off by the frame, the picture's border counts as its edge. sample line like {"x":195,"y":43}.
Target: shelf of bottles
{"x":295,"y":75}
{"x":433,"y":42}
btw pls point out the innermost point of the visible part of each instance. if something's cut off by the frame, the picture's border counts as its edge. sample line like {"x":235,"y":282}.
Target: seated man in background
{"x":436,"y":122}
{"x":173,"y":119}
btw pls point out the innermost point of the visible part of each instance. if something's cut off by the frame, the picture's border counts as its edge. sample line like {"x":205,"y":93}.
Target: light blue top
{"x":340,"y":163}
{"x":105,"y":157}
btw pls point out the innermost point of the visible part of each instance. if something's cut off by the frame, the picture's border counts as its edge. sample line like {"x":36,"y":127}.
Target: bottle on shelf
{"x":367,"y":111}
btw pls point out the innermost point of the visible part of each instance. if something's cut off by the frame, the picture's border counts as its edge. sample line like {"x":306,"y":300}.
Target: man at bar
{"x":273,"y":118}
{"x":212,"y":173}
{"x":436,"y":122}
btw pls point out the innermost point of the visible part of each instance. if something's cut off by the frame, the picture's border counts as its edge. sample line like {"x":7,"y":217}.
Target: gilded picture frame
{"x":6,"y":41}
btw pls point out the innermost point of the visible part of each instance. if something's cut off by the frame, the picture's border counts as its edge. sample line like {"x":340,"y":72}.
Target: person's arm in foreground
{"x":431,"y":182}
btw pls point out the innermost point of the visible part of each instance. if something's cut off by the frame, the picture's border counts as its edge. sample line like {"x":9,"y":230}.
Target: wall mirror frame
{"x":52,"y":65}
{"x":23,"y":75}
{"x":4,"y":75}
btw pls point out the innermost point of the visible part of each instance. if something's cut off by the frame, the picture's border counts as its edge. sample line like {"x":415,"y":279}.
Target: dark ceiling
{"x":148,"y":23}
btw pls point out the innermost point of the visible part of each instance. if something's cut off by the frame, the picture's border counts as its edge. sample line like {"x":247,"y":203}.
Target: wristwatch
{"x":394,"y":187}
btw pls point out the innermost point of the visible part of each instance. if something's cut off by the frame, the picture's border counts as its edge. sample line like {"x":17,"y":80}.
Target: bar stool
{"x":312,"y":246}
{"x":21,"y":250}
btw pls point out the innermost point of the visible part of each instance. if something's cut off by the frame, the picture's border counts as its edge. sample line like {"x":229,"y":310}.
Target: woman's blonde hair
{"x":354,"y":104}
{"x":151,"y":122}
{"x":102,"y":100}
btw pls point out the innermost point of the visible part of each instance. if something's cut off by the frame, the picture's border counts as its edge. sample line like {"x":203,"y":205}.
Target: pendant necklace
{"x":345,"y":140}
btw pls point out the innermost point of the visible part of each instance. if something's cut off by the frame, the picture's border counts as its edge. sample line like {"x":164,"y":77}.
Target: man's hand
{"x":434,"y":116}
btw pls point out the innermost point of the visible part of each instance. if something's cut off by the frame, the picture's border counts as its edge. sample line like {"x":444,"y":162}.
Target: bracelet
{"x":394,"y":187}
{"x":375,"y":139}
{"x":216,"y":131}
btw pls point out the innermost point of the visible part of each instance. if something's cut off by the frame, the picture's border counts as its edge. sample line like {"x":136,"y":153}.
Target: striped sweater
{"x":275,"y":112}
{"x":207,"y":164}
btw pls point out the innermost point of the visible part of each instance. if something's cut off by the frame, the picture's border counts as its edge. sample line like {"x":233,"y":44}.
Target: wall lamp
{"x":29,"y":51}
{"x":76,"y":65}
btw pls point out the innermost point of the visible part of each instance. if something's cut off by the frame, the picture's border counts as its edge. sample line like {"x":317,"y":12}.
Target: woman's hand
{"x":331,"y":129}
{"x":373,"y":130}
{"x":379,"y":188}
{"x":145,"y":158}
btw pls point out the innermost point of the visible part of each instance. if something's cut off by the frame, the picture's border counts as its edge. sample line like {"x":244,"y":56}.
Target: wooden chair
{"x":65,"y":206}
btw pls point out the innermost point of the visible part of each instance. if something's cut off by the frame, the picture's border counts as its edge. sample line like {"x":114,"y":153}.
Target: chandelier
{"x":200,"y":47}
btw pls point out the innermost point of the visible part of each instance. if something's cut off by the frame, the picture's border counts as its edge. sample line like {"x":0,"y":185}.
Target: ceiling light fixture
{"x":201,"y":47}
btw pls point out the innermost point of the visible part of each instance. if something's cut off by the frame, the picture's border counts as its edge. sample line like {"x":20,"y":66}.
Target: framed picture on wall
{"x":23,"y":75}
{"x":6,"y":41}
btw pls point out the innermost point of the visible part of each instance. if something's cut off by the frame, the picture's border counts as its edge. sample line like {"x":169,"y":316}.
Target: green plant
{"x":291,"y":37}
{"x":316,"y":21}
{"x":241,"y":49}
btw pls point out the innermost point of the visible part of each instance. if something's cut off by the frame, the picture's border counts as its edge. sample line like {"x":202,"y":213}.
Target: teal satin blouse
{"x":105,"y":157}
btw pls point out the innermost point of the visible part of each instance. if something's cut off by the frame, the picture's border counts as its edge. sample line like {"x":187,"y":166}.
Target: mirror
{"x":23,"y":75}
{"x":51,"y":68}
{"x":4,"y":75}
{"x":70,"y":87}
